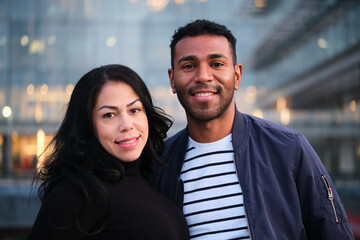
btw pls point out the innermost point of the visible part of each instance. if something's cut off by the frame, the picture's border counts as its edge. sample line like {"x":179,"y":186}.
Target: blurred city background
{"x":301,"y":68}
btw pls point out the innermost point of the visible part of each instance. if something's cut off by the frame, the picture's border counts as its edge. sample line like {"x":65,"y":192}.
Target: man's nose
{"x":204,"y":73}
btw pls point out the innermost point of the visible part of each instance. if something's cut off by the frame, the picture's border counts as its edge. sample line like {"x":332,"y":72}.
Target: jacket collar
{"x":240,"y":130}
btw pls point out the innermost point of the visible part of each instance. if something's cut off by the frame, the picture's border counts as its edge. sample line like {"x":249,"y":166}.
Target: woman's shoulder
{"x":68,"y":201}
{"x":64,"y":195}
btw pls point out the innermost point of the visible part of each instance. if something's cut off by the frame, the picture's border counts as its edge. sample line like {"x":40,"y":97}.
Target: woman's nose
{"x":125,"y":124}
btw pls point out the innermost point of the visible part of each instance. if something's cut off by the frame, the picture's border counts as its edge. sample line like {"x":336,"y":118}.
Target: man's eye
{"x":188,"y":66}
{"x":217,"y":64}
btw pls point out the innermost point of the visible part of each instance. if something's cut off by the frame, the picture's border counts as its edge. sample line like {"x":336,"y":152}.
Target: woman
{"x":93,"y":181}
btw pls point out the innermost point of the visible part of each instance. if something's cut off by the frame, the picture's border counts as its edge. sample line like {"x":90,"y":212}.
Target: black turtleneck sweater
{"x":137,"y":211}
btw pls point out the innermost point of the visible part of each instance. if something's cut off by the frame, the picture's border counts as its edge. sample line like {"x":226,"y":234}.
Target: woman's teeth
{"x":127,"y":142}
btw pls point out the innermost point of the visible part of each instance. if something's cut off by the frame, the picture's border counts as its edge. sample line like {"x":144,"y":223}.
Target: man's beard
{"x":205,"y":113}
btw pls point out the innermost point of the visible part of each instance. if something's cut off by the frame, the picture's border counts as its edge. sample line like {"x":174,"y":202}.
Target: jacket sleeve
{"x":57,"y":218}
{"x":323,"y":214}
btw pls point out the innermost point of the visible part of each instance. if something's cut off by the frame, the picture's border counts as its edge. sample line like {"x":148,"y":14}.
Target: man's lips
{"x":203,"y":94}
{"x":204,"y":90}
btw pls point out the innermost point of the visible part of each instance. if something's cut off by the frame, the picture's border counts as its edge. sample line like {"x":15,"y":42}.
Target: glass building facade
{"x":316,"y":85}
{"x":300,"y":61}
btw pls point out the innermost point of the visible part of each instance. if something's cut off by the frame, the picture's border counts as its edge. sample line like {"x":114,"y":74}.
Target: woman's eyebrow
{"x":108,"y":106}
{"x":114,"y":107}
{"x":133,"y":102}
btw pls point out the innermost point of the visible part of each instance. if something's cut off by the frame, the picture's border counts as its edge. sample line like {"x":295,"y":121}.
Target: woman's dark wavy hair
{"x":75,"y":153}
{"x":202,"y":27}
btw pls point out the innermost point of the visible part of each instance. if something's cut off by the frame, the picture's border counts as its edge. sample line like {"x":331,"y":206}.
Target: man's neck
{"x":213,"y":130}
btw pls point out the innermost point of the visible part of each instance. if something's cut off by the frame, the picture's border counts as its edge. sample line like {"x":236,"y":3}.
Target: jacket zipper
{"x":330,"y":196}
{"x":247,"y":221}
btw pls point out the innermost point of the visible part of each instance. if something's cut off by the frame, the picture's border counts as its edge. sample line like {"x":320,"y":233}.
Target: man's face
{"x":204,"y":76}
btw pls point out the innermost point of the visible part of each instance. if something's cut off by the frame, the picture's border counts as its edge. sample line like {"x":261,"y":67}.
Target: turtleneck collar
{"x":132,"y":168}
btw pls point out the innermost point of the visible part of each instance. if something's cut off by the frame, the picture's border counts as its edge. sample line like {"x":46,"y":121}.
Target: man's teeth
{"x":203,"y":94}
{"x":127,"y":142}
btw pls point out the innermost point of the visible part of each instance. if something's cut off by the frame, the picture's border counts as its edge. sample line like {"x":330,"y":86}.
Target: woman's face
{"x":120,"y":121}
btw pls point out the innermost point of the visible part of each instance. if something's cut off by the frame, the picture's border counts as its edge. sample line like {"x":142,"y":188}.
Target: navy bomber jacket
{"x":288,"y":193}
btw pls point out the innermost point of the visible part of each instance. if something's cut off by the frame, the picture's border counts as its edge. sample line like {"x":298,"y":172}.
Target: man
{"x":236,"y":176}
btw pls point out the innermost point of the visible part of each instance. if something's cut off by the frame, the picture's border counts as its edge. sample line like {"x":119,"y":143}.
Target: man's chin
{"x":203,"y":115}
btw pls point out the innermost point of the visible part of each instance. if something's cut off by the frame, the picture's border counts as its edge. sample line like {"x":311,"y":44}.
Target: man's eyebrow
{"x":187,"y":58}
{"x":210,"y":56}
{"x":216,"y":55}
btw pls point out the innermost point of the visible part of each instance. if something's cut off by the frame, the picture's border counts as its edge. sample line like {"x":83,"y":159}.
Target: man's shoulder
{"x":175,"y":144}
{"x":179,"y":136}
{"x":266,"y":125}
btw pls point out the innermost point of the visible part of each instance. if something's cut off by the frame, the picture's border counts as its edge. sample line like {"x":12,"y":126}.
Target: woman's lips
{"x":128,"y":143}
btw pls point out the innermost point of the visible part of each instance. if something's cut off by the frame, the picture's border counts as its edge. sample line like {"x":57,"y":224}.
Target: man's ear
{"x":238,"y":74}
{"x":171,"y":78}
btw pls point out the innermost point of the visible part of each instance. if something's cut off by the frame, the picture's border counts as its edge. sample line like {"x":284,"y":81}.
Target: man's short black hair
{"x":202,"y":27}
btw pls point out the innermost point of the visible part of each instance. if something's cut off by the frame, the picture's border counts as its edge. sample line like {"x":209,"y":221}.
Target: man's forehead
{"x":201,"y":39}
{"x":205,"y":46}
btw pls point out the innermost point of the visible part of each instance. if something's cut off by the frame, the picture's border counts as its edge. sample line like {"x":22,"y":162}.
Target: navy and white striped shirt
{"x":213,"y":200}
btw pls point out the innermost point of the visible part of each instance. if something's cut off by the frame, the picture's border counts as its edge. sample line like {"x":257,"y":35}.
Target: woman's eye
{"x":108,"y":115}
{"x":135,"y":110}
